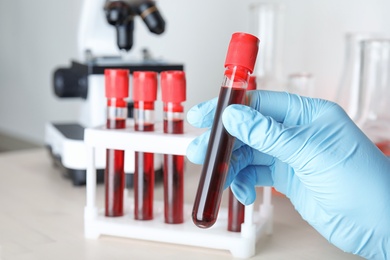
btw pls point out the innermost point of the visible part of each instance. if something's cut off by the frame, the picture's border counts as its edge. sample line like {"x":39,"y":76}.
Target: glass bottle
{"x":173,"y":91}
{"x":239,"y":64}
{"x":117,"y":90}
{"x":144,"y":96}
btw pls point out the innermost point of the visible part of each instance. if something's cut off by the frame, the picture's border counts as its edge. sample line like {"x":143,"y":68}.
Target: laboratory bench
{"x":41,"y":217}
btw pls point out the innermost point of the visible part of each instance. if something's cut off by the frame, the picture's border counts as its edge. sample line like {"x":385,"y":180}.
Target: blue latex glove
{"x":311,"y":151}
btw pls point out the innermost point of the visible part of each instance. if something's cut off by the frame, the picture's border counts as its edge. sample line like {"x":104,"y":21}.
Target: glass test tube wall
{"x":144,"y":96}
{"x":173,"y":89}
{"x":239,"y":64}
{"x":117,"y":89}
{"x":236,"y":210}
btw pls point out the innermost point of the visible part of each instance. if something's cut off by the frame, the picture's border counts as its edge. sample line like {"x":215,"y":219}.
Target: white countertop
{"x":41,"y":217}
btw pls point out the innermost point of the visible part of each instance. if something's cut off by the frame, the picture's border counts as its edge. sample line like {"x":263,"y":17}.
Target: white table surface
{"x":41,"y":217}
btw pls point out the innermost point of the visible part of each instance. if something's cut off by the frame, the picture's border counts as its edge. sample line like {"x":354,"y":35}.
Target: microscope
{"x":102,"y":21}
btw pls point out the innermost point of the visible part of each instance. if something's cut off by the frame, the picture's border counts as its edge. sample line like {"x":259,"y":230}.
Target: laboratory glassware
{"x":267,"y":23}
{"x":173,"y":92}
{"x":144,"y":96}
{"x":239,"y":64}
{"x":375,"y":85}
{"x":349,"y":94}
{"x":301,"y":83}
{"x":236,"y":213}
{"x":252,"y":83}
{"x":117,"y":90}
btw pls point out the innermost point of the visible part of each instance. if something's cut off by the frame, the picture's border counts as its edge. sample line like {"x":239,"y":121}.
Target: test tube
{"x":239,"y":63}
{"x":236,"y":213}
{"x":236,"y":210}
{"x":117,"y":89}
{"x":173,"y":90}
{"x":252,"y":83}
{"x":144,"y":96}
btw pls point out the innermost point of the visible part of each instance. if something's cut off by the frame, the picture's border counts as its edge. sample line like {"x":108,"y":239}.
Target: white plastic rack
{"x":241,"y":244}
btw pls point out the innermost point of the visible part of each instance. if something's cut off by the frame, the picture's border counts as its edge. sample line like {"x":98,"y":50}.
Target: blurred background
{"x":38,"y":36}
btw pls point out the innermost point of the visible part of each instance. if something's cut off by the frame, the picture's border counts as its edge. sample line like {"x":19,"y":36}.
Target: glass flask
{"x":375,"y":86}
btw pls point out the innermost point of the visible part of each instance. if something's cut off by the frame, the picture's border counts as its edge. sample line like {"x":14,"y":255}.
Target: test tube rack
{"x":240,"y":244}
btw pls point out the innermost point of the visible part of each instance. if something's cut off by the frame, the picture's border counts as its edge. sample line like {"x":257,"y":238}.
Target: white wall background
{"x":38,"y":36}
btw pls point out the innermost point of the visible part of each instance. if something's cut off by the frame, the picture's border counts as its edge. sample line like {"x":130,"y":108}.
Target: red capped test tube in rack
{"x":236,"y":210}
{"x":117,"y":90}
{"x":144,"y":96}
{"x":173,"y":90}
{"x":252,"y":84}
{"x":239,"y":64}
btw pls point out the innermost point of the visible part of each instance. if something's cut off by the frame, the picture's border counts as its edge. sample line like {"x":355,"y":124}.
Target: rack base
{"x":240,"y":244}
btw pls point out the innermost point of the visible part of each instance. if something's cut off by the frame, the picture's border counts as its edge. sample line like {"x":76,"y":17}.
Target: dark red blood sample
{"x":236,"y":213}
{"x":174,"y":126}
{"x":173,"y":178}
{"x":212,"y":180}
{"x":384,"y":146}
{"x":144,"y":180}
{"x":114,"y":175}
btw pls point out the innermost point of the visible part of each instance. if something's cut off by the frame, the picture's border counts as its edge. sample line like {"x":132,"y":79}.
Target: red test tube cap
{"x":144,"y":86}
{"x":173,"y":86}
{"x":116,"y":83}
{"x":242,"y":51}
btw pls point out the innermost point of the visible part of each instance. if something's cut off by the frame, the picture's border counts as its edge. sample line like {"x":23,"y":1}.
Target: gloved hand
{"x":311,"y":151}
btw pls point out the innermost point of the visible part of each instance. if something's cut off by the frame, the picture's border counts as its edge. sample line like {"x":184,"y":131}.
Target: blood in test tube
{"x":173,"y":90}
{"x":384,"y":146}
{"x":236,"y":210}
{"x":117,"y":90}
{"x":252,"y":84}
{"x":240,"y":61}
{"x":144,"y":96}
{"x":236,"y":213}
